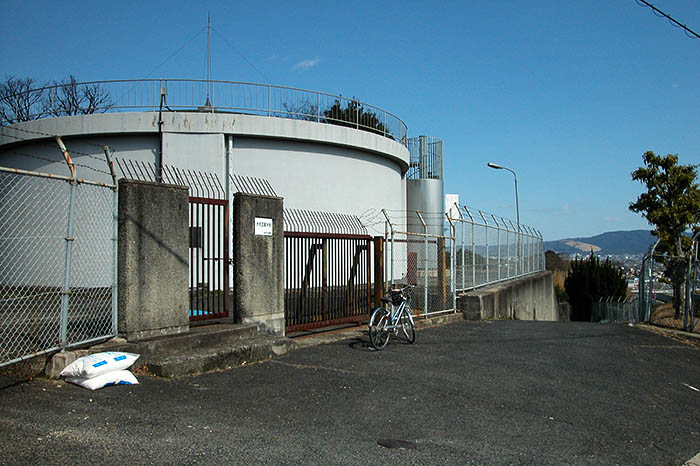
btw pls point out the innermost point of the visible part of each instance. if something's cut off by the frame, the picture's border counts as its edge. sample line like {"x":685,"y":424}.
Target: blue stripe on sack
{"x":101,"y":363}
{"x":124,"y":382}
{"x":120,"y":358}
{"x":108,"y":384}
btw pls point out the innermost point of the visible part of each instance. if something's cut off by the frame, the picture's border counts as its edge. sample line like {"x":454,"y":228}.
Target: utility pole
{"x":208,"y":102}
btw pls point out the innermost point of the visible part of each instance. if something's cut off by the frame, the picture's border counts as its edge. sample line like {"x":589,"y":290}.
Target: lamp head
{"x":493,"y":165}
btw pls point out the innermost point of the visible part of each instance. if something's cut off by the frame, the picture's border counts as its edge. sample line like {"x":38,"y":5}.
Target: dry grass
{"x":663,"y":317}
{"x":558,"y":276}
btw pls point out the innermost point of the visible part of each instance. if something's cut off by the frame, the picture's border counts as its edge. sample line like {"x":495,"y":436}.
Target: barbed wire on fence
{"x":52,"y":136}
{"x":322,"y":222}
{"x":52,"y":145}
{"x":487,"y":248}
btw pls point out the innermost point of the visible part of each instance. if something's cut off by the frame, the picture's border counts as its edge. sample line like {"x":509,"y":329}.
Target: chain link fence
{"x":426,"y":260}
{"x":57,"y":263}
{"x":444,"y":254}
{"x":651,"y":283}
{"x":608,"y":310}
{"x":491,"y":249}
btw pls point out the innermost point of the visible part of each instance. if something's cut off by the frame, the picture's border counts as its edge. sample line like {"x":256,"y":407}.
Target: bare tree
{"x":97,"y":99}
{"x":69,"y":97}
{"x":21,"y":99}
{"x":303,"y":111}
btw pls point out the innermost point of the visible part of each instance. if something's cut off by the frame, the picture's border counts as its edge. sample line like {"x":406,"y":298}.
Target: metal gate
{"x":327,"y":275}
{"x":209,"y":256}
{"x":209,"y":259}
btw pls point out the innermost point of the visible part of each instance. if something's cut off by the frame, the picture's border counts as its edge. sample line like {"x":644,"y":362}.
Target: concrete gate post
{"x":258,"y":261}
{"x":153,"y":259}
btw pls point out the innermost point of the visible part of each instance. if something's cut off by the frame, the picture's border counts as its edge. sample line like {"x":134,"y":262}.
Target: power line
{"x":688,"y":32}
{"x":241,"y":55}
{"x":176,"y":52}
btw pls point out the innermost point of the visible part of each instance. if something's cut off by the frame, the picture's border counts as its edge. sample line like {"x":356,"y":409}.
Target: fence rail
{"x":58,"y":238}
{"x":216,"y":96}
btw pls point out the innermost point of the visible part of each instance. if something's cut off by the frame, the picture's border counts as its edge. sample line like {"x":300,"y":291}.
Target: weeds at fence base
{"x":21,"y":372}
{"x":663,"y":317}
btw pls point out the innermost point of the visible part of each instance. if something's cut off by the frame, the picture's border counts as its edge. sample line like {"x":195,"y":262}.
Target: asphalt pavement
{"x":483,"y":393}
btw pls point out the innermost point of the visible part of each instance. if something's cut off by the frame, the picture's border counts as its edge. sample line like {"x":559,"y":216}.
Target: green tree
{"x":672,"y":205}
{"x":354,"y":114}
{"x":588,"y":280}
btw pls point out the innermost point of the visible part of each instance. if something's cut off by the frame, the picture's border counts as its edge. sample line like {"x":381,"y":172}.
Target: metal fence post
{"x":425,"y":259}
{"x":530,"y":255}
{"x":505,"y":225}
{"x":473,"y":255}
{"x":486,"y":230}
{"x":515,"y":231}
{"x":498,"y":240}
{"x":520,"y":250}
{"x":641,"y":302}
{"x":378,"y":270}
{"x":391,"y":249}
{"x":318,"y":107}
{"x":651,"y":281}
{"x":115,"y":239}
{"x":69,"y":238}
{"x":689,"y":309}
{"x":695,"y":282}
{"x":357,"y":114}
{"x":452,"y":264}
{"x":541,"y":251}
{"x":461,"y":222}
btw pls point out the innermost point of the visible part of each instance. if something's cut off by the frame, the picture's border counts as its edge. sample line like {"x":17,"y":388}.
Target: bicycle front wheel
{"x":407,"y":329}
{"x":378,"y":334}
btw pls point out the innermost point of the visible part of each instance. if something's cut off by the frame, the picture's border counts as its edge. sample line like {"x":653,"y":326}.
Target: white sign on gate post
{"x":263,"y":226}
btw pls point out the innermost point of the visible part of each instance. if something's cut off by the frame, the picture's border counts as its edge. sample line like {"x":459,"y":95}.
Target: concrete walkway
{"x":501,"y":392}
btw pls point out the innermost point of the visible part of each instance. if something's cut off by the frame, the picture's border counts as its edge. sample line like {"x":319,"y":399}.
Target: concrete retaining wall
{"x":527,"y":298}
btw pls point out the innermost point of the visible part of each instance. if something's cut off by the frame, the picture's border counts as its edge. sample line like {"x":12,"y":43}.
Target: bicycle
{"x":383,"y":321}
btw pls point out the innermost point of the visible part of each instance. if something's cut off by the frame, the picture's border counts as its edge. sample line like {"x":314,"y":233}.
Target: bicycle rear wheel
{"x":407,"y":329}
{"x":378,"y":334}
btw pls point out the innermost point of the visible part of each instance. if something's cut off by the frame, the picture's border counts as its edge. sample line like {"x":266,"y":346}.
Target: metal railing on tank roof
{"x":203,"y":96}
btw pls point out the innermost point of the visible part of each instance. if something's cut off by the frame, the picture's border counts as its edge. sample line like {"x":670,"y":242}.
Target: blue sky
{"x":569,"y":94}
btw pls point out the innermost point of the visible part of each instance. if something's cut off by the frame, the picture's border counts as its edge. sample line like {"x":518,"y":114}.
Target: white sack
{"x":98,"y":364}
{"x":105,"y":380}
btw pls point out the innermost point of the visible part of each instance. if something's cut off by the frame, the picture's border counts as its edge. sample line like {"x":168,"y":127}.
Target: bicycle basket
{"x":396,"y":298}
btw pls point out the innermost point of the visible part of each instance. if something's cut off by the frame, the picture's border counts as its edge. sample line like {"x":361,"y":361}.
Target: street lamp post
{"x":517,"y":207}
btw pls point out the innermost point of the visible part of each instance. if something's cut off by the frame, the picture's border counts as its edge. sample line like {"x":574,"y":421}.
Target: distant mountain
{"x":611,"y":242}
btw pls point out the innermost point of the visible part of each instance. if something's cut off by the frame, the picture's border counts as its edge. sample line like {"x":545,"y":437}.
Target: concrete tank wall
{"x":426,"y":196}
{"x":314,"y":166}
